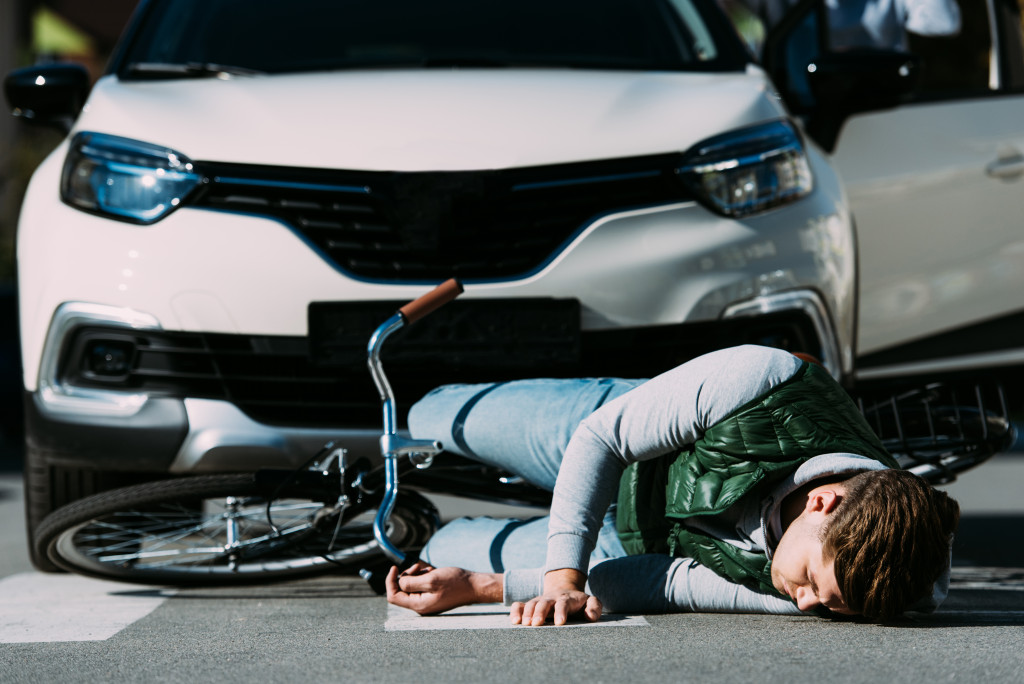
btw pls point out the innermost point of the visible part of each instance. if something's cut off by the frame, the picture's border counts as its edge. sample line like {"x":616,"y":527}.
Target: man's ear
{"x":824,"y":499}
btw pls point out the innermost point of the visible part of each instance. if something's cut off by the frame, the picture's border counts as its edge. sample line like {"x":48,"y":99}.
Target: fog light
{"x":109,"y":359}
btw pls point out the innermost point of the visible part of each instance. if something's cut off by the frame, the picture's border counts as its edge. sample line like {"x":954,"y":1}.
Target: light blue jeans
{"x":521,"y":427}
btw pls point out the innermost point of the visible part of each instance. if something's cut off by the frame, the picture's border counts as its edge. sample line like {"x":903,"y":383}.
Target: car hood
{"x":429,"y":119}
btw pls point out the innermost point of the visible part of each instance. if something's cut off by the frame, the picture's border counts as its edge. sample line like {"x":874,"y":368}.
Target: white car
{"x":253,"y":186}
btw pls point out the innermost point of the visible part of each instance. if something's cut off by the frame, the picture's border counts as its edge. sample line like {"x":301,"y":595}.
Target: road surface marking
{"x":975,"y":577}
{"x":487,"y":616}
{"x":38,"y":607}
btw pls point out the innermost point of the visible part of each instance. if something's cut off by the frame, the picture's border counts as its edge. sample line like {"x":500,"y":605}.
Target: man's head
{"x":889,"y":539}
{"x":872,"y":545}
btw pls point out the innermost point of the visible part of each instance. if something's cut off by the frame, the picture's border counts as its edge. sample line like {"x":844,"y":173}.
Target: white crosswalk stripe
{"x":37,"y":607}
{"x":487,"y":616}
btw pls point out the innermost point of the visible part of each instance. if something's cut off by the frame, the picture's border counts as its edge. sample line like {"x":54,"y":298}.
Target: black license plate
{"x":499,"y":334}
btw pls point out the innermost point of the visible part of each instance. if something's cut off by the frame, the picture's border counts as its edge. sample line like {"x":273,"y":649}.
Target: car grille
{"x":274,"y":379}
{"x":418,"y":226}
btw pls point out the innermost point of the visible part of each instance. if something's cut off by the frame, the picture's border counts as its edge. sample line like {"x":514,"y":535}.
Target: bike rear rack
{"x":940,"y":429}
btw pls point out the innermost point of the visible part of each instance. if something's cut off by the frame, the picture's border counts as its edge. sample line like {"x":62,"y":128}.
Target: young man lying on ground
{"x":743,"y":481}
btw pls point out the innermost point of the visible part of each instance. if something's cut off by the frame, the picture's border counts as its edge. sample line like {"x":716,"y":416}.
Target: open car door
{"x":930,"y":144}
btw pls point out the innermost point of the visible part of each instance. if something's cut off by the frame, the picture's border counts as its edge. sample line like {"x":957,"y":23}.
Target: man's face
{"x":799,"y":568}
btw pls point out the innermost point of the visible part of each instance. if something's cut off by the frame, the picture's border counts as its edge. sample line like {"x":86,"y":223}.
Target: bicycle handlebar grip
{"x":431,"y":301}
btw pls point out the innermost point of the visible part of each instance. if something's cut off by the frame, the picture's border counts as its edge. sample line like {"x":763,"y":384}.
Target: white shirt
{"x":874,"y":23}
{"x":884,"y":23}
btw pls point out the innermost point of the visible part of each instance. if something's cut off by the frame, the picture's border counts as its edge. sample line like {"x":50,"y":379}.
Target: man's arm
{"x":661,"y":584}
{"x":656,"y":583}
{"x":662,"y":416}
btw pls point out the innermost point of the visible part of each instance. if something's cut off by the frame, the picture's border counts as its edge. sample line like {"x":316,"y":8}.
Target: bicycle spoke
{"x":153,"y":538}
{"x":133,"y":535}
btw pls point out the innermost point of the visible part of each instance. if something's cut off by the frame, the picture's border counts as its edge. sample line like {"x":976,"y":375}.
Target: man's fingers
{"x":515,"y":613}
{"x":416,"y":583}
{"x":391,"y":587}
{"x":403,"y":596}
{"x":540,"y":612}
{"x":526,"y":614}
{"x":429,"y":581}
{"x":530,"y":609}
{"x":417,"y":568}
{"x":562,"y":610}
{"x":593,"y":609}
{"x":568,"y":606}
{"x":396,"y":596}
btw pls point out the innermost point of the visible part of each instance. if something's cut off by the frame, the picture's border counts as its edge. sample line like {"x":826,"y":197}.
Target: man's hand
{"x":563,"y":597}
{"x":428,"y":590}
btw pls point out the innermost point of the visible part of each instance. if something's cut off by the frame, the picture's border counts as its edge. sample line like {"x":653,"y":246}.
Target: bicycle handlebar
{"x":431,"y":301}
{"x":391,"y":444}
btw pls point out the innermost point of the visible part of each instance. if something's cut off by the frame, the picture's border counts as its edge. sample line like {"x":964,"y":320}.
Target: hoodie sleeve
{"x":659,"y":417}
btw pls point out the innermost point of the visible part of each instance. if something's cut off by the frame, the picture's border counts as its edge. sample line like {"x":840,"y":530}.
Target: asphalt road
{"x":332,"y":628}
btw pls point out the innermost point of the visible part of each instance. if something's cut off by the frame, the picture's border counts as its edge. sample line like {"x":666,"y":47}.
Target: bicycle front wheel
{"x":220,"y":529}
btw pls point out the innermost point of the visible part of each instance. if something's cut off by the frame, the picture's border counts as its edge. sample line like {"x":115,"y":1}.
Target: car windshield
{"x":192,"y":38}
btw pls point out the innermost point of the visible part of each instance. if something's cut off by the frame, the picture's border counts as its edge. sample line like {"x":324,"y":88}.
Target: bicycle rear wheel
{"x":220,"y":529}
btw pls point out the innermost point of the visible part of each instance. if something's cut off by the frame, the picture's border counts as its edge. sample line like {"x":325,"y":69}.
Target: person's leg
{"x":500,"y":544}
{"x":488,"y":544}
{"x":520,"y":426}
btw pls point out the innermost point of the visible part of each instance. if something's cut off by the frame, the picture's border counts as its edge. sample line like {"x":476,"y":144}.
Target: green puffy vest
{"x":747,"y":453}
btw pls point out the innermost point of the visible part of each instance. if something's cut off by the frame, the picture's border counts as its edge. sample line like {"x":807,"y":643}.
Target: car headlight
{"x":749,"y":170}
{"x":125,"y":179}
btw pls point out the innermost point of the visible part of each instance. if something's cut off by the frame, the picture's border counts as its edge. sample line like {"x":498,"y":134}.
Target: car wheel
{"x":49,"y":486}
{"x":39,"y":502}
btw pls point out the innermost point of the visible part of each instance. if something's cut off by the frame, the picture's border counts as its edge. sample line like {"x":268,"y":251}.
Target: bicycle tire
{"x":214,"y":530}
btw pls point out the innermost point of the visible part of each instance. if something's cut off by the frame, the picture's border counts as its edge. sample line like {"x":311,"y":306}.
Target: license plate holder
{"x":536,"y":334}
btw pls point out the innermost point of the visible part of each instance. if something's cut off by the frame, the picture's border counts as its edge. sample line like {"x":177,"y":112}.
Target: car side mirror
{"x":50,"y":94}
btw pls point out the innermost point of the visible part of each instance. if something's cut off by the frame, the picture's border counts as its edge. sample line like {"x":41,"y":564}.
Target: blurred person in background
{"x":880,"y":24}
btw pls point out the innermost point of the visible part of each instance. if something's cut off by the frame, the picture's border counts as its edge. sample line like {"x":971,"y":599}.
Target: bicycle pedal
{"x":374,"y":579}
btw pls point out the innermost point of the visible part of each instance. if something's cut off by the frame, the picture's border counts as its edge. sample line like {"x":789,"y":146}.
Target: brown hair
{"x":889,"y":537}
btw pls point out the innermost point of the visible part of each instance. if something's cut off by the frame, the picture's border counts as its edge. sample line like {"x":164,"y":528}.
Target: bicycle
{"x":339,"y":512}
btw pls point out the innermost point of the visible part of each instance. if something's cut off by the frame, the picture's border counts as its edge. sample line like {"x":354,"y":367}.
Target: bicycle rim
{"x":211,"y":534}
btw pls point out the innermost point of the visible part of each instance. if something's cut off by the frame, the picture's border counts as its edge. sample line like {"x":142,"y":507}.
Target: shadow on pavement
{"x":987,"y":583}
{"x":332,"y":585}
{"x":11,"y":413}
{"x":10,"y":455}
{"x":989,"y":541}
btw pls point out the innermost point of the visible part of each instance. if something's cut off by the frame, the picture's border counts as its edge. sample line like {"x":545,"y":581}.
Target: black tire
{"x":37,"y":504}
{"x":48,"y":487}
{"x":175,"y":532}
